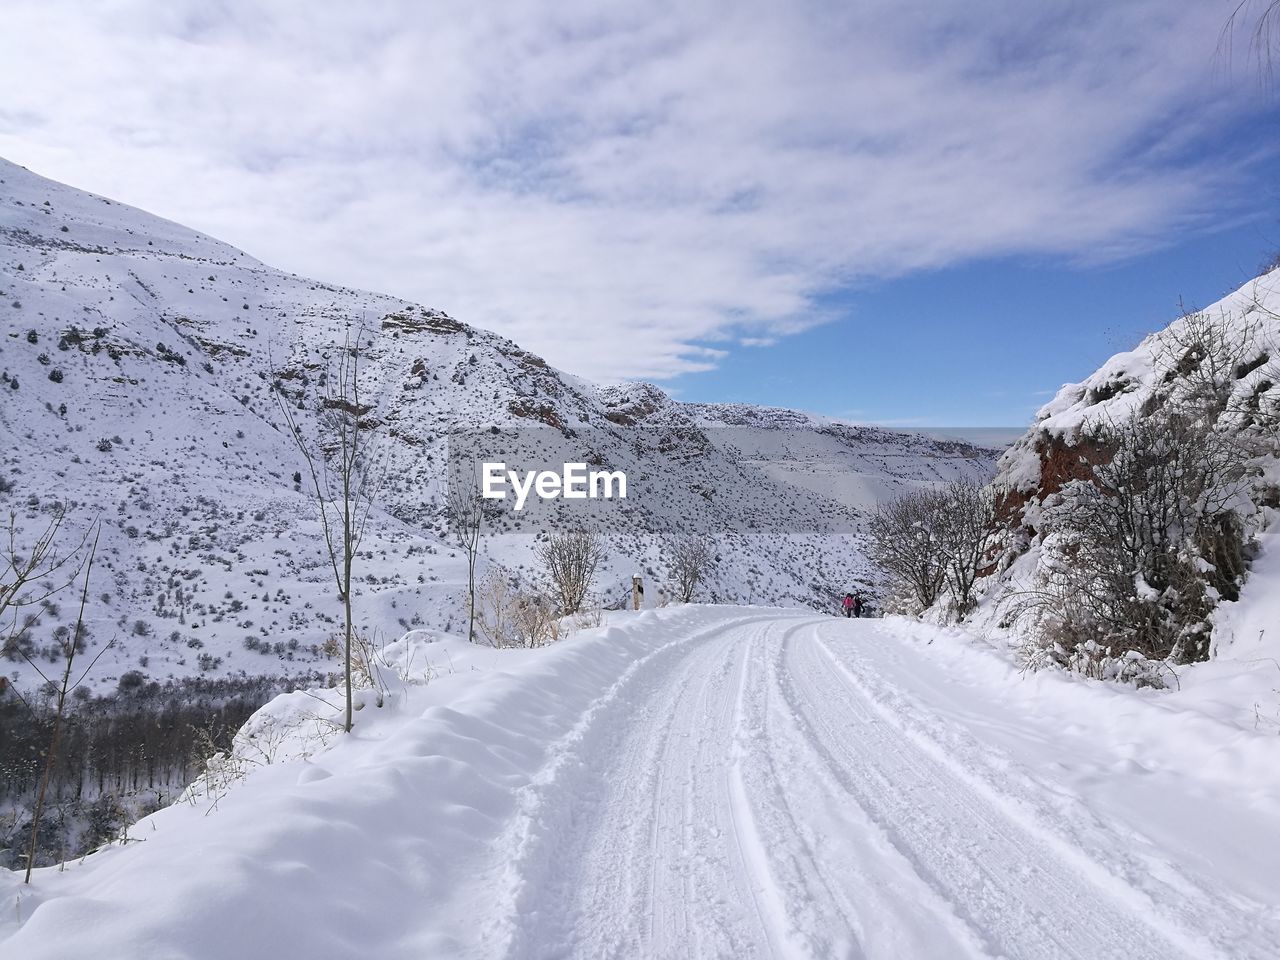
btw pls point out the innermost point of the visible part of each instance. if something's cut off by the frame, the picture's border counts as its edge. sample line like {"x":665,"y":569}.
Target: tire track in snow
{"x":697,"y":846}
{"x":1204,"y":920}
{"x":1008,"y":884}
{"x":739,"y":795}
{"x":599,"y":839}
{"x":769,"y":900}
{"x":856,"y":895}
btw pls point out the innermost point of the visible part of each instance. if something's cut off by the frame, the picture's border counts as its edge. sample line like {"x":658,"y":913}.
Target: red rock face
{"x":1060,"y":463}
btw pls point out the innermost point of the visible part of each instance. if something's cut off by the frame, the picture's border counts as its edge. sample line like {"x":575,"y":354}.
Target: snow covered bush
{"x":1135,"y":556}
{"x":1091,"y":659}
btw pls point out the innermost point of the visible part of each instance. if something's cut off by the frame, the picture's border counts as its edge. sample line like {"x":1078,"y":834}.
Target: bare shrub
{"x":493,"y":613}
{"x":1203,"y":355}
{"x":507,"y":616}
{"x":1135,"y":558}
{"x":586,"y":619}
{"x":533,"y":616}
{"x":367,"y":660}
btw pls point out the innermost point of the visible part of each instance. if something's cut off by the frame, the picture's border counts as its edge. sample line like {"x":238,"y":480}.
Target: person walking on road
{"x":847,"y":604}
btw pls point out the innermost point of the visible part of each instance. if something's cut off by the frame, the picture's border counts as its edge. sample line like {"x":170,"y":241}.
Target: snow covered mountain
{"x":137,"y":367}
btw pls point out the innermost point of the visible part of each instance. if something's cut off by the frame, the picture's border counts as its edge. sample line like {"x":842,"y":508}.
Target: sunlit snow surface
{"x":703,"y":782}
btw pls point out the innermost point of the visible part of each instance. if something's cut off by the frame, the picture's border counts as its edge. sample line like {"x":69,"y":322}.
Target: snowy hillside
{"x":137,"y":366}
{"x":1223,"y":359}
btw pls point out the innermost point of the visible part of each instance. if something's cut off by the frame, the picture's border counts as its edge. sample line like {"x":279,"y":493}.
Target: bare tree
{"x":570,"y":561}
{"x":966,"y":531}
{"x":33,"y":575}
{"x":346,"y":473}
{"x":1260,"y":19}
{"x":905,"y":542}
{"x":689,"y":558}
{"x":936,"y":541}
{"x":467,"y":510}
{"x":63,"y":687}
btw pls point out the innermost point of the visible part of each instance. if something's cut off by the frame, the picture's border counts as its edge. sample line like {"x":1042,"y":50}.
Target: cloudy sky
{"x":707,"y":194}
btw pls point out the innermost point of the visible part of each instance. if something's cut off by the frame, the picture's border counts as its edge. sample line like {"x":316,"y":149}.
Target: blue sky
{"x":986,"y":344}
{"x":979,"y":200}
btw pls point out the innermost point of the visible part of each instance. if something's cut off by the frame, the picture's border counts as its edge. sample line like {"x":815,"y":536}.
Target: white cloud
{"x":629,"y":189}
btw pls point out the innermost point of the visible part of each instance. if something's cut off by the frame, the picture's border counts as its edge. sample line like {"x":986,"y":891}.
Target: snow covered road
{"x":770,"y":798}
{"x":730,"y":782}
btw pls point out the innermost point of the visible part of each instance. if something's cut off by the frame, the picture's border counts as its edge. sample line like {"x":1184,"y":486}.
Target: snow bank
{"x":1203,"y":728}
